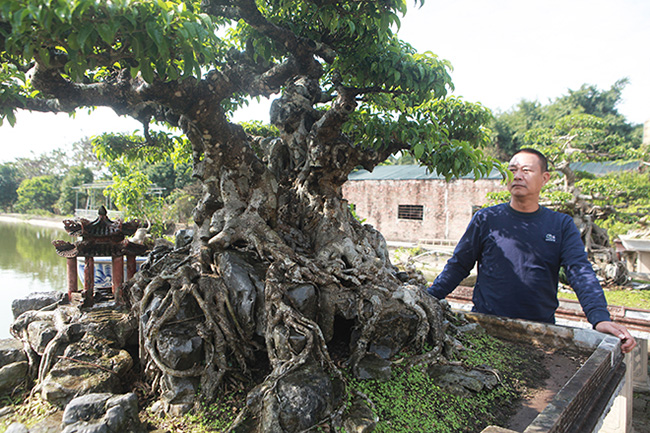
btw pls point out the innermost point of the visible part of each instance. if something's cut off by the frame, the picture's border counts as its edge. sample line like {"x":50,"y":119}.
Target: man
{"x":520,"y":247}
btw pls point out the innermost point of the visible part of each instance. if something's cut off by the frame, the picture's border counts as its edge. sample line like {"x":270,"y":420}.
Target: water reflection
{"x":28,"y":263}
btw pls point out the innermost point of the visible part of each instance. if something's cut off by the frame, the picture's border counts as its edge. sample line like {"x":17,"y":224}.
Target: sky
{"x":502,"y":51}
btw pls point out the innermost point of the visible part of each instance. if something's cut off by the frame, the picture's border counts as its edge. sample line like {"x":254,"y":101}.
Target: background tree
{"x":37,"y":193}
{"x":75,"y":176}
{"x":138,"y":168}
{"x":82,"y":154}
{"x":58,"y":163}
{"x":511,"y":127}
{"x":599,"y":103}
{"x":8,"y":186}
{"x":270,"y":210}
{"x":621,"y":200}
{"x":52,"y":163}
{"x":165,"y":175}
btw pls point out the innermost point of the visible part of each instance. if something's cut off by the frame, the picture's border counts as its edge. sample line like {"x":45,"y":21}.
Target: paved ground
{"x":641,"y":410}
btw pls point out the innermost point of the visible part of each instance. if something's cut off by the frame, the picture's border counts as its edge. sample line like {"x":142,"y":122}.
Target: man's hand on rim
{"x":627,"y":341}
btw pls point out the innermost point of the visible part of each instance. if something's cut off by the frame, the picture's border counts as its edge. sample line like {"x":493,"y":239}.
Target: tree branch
{"x":247,"y":10}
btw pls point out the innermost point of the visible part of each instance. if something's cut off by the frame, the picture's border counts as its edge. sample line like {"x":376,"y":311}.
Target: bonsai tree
{"x":584,"y":138}
{"x":277,"y":272}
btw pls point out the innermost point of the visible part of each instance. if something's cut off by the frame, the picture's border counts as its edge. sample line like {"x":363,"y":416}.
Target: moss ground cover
{"x":216,"y":417}
{"x":412,"y":401}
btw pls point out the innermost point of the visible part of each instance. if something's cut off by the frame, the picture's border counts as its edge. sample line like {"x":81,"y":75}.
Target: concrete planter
{"x":597,"y":398}
{"x":635,"y":244}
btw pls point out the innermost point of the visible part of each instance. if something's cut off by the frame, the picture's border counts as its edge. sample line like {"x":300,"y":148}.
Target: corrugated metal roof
{"x":604,"y":167}
{"x":407,"y":172}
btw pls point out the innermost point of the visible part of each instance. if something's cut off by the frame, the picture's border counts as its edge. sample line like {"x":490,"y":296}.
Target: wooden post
{"x":72,"y":276}
{"x":130,"y":266}
{"x":89,"y":282}
{"x":118,"y":274}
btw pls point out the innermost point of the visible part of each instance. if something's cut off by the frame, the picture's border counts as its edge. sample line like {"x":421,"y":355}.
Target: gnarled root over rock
{"x":281,"y":326}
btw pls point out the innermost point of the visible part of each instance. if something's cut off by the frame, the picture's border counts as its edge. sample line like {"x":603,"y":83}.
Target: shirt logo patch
{"x":549,"y":237}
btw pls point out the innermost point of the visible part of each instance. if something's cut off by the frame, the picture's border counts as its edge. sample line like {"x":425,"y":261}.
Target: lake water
{"x":28,"y":263}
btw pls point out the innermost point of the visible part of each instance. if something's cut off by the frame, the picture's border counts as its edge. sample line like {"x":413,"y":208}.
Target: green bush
{"x":38,"y":193}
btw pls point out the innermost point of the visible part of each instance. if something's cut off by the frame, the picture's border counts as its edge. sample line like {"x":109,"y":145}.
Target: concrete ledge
{"x":583,"y":403}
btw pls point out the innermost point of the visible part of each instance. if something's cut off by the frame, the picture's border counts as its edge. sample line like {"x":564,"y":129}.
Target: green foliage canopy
{"x":628,"y":195}
{"x":137,"y":165}
{"x":143,"y":58}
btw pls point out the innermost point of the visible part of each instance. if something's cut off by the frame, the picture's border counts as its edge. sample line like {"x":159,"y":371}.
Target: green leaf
{"x":138,"y":47}
{"x":11,"y":117}
{"x":147,"y":71}
{"x":106,"y":33}
{"x":83,"y":35}
{"x":188,"y":61}
{"x":418,"y":150}
{"x":44,"y":55}
{"x":154,"y":32}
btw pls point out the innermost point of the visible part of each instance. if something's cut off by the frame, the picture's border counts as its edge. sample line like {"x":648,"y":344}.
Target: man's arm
{"x":581,"y":275}
{"x":584,"y":282}
{"x":461,"y":263}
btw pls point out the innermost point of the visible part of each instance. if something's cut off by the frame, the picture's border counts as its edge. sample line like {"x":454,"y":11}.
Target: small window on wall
{"x":410,"y":212}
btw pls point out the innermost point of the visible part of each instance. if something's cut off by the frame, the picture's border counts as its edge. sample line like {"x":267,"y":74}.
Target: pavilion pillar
{"x":89,"y":281}
{"x":117,"y":273}
{"x":73,"y":280}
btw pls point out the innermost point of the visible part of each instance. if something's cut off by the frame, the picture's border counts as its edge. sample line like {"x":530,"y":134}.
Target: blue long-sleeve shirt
{"x":519,"y":256}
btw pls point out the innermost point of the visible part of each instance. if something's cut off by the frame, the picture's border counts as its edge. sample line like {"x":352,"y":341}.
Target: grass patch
{"x":27,"y":410}
{"x":623,"y":298}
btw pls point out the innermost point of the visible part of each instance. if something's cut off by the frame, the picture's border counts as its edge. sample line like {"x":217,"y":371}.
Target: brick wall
{"x":447,"y":206}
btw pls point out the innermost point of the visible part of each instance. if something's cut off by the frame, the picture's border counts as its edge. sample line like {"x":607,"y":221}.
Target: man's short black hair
{"x":543,"y":162}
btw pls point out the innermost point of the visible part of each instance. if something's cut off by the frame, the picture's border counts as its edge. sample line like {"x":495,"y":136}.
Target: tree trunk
{"x":280,"y":278}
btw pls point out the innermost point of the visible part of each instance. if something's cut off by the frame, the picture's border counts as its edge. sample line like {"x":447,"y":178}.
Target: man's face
{"x":527,"y":176}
